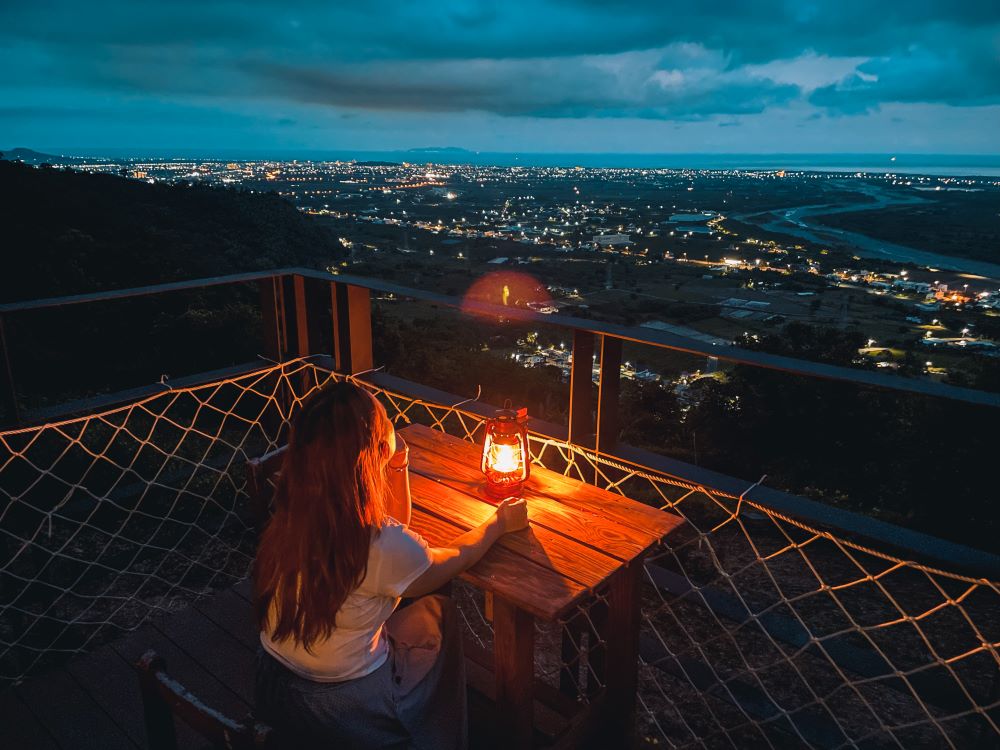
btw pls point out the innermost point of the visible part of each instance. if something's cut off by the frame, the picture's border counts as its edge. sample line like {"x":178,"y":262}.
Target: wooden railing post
{"x":581,"y":418}
{"x":608,"y":388}
{"x":352,"y":328}
{"x":275,"y":337}
{"x":8,"y":391}
{"x":302,"y":344}
{"x":286,"y":303}
{"x":271,"y":314}
{"x":308,"y":338}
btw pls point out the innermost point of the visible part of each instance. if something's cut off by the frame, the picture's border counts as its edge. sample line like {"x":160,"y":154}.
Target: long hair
{"x":329,"y":498}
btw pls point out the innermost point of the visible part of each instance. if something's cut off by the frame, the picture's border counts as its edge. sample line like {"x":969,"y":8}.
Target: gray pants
{"x":415,"y":700}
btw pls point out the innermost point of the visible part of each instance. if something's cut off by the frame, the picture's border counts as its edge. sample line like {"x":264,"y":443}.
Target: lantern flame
{"x":505,"y":458}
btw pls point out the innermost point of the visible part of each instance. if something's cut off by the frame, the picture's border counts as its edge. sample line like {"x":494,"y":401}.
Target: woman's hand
{"x":512,"y":515}
{"x":400,"y":505}
{"x":401,"y":458}
{"x":466,"y":550}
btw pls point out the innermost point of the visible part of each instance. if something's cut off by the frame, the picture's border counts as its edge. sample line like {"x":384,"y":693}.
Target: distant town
{"x":720,"y":255}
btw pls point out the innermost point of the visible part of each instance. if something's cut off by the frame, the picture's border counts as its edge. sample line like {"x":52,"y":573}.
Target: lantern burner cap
{"x":511,"y":415}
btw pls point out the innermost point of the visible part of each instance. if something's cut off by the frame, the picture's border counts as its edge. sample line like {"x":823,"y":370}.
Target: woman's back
{"x":357,"y":645}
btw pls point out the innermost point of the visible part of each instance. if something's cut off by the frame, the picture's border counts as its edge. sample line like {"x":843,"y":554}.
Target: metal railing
{"x":293,"y":301}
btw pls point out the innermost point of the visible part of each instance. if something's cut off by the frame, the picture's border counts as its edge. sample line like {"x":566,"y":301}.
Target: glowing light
{"x":510,"y":288}
{"x":505,"y":458}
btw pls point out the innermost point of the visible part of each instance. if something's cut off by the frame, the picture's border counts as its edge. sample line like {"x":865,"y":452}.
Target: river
{"x":795,"y":222}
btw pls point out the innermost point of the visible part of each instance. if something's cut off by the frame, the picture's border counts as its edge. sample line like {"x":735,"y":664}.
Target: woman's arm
{"x":398,"y":477}
{"x":469,"y":548}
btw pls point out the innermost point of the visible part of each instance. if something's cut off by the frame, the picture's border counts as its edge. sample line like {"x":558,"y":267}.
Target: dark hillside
{"x":69,"y":232}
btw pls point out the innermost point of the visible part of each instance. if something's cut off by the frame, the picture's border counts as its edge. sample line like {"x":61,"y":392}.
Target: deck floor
{"x":93,"y":701}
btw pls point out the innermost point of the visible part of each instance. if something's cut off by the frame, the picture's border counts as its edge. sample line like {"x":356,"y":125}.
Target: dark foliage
{"x":69,"y":232}
{"x":921,"y":462}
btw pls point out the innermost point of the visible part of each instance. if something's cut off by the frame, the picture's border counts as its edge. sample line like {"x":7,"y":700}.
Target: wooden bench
{"x":163,"y":698}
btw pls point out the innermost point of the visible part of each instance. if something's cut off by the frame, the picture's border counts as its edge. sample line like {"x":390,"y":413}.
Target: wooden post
{"x":8,"y":391}
{"x":269,"y":314}
{"x":289,"y":317}
{"x":352,"y":328}
{"x":309,"y":314}
{"x":303,"y":345}
{"x":160,"y":731}
{"x":308,"y":336}
{"x":581,"y":420}
{"x":335,"y":336}
{"x":622,"y":653}
{"x":272,"y":311}
{"x":608,"y":389}
{"x":513,"y":655}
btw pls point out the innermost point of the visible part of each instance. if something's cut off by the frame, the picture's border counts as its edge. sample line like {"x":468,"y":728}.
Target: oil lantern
{"x":506,"y":461}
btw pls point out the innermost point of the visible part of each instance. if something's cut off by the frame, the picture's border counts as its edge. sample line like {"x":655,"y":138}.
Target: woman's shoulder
{"x":397,"y":556}
{"x":392,"y":533}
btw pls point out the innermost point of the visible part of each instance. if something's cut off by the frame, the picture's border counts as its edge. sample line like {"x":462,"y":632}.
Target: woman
{"x":339,"y":664}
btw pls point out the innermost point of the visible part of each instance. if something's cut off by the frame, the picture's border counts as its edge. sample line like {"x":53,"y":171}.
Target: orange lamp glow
{"x":506,"y":463}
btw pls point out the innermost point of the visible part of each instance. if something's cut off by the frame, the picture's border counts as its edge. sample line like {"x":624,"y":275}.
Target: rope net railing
{"x":757,"y":630}
{"x":110,"y":518}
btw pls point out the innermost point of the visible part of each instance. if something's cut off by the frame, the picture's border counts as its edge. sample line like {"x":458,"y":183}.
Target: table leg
{"x":591,"y":625}
{"x":513,"y":655}
{"x":622,"y":665}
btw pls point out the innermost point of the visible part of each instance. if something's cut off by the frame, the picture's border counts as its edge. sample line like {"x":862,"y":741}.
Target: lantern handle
{"x":508,"y":404}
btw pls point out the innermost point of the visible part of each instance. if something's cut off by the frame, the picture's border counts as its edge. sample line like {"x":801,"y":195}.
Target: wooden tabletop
{"x":578,"y":534}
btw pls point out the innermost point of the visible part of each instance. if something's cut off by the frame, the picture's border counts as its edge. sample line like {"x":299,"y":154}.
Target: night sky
{"x":917,"y":76}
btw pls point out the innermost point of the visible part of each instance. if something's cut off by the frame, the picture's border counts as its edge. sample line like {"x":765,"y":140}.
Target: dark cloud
{"x":643,"y":59}
{"x":625,"y":85}
{"x":966,"y":77}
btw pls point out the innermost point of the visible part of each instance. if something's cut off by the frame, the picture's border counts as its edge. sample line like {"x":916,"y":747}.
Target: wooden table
{"x":580,"y":538}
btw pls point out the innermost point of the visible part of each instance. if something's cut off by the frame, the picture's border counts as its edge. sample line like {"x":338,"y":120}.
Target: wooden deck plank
{"x":196,"y":677}
{"x":71,"y":715}
{"x":651,"y":522}
{"x":19,"y":729}
{"x":232,"y":613}
{"x":537,"y":543}
{"x":244,"y":589}
{"x":585,"y":526}
{"x":539,"y":590}
{"x":111,"y":682}
{"x":215,"y":649}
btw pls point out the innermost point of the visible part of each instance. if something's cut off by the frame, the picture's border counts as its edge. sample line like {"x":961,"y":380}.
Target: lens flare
{"x":505,"y":288}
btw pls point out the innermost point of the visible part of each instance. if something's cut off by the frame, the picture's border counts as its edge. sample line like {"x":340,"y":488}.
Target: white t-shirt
{"x":357,"y":646}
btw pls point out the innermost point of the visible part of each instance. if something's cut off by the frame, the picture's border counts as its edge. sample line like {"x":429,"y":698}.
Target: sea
{"x":987,"y":165}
